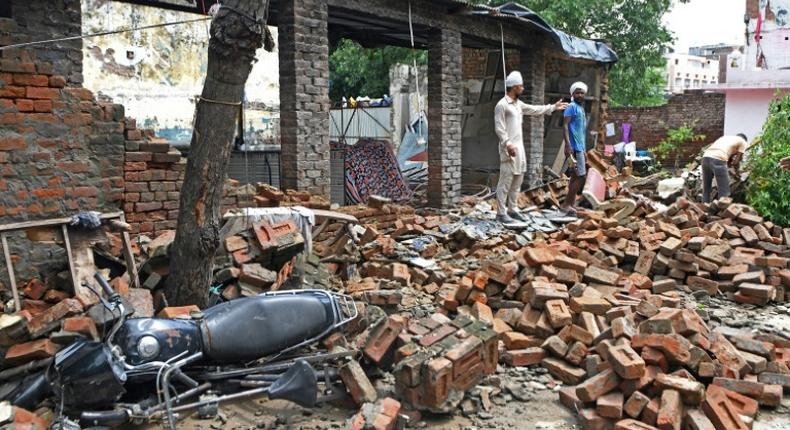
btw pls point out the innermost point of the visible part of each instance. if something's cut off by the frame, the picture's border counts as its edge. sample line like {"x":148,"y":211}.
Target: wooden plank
{"x":70,"y":258}
{"x":10,"y":266}
{"x":51,"y":222}
{"x":320,"y":213}
{"x":131,"y":266}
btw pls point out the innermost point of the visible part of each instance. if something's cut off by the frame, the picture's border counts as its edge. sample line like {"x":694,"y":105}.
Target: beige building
{"x":684,"y":71}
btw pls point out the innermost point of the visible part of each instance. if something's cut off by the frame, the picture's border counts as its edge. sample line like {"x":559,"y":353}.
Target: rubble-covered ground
{"x":668,"y":315}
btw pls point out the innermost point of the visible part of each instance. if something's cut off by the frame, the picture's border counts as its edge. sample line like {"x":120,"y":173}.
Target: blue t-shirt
{"x":577,"y":127}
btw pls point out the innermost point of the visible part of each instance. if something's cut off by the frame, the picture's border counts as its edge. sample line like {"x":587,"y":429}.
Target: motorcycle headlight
{"x":148,"y":347}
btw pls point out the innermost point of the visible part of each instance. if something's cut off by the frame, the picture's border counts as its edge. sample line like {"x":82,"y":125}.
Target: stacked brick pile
{"x":597,"y":304}
{"x":254,"y":258}
{"x":269,"y":196}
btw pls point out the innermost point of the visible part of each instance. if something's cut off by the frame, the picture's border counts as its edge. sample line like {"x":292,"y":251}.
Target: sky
{"x":707,"y":22}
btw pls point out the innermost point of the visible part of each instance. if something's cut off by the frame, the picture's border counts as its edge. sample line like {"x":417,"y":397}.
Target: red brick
{"x":30,"y":80}
{"x":12,"y":92}
{"x":382,"y":339}
{"x":29,"y":351}
{"x":501,"y":273}
{"x":438,"y":378}
{"x":558,"y":313}
{"x":82,"y":325}
{"x":42,"y":93}
{"x":601,"y":276}
{"x":24,"y":419}
{"x":674,"y":346}
{"x":590,"y":420}
{"x":722,"y":413}
{"x":610,"y":405}
{"x":692,"y":392}
{"x":515,"y":340}
{"x":65,"y":308}
{"x":598,"y":385}
{"x":177,"y":311}
{"x":597,"y":306}
{"x":563,"y":371}
{"x":24,"y":105}
{"x":630,"y":424}
{"x":12,"y":143}
{"x":634,"y":405}
{"x":80,"y":93}
{"x":670,"y":413}
{"x":437,"y":335}
{"x":569,"y":400}
{"x":357,"y":383}
{"x":34,"y":289}
{"x":57,"y":81}
{"x":77,"y":119}
{"x":743,"y":404}
{"x":524,"y":357}
{"x":42,"y":105}
{"x":626,"y":362}
{"x":728,"y":355}
{"x":482,"y":312}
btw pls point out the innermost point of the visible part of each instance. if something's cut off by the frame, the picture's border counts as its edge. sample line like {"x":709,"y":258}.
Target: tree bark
{"x":237,"y":32}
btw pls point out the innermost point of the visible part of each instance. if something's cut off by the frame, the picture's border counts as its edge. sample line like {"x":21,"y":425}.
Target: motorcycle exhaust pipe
{"x":105,"y":418}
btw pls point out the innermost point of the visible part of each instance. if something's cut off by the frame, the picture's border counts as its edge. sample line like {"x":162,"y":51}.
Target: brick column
{"x":445,"y":98}
{"x":304,"y":95}
{"x":533,"y":68}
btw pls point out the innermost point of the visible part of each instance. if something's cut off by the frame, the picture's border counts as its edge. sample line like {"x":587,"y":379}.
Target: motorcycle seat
{"x":254,"y":327}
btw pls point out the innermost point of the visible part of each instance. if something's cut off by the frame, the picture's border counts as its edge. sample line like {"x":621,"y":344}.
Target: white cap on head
{"x":513,"y":79}
{"x":578,"y":86}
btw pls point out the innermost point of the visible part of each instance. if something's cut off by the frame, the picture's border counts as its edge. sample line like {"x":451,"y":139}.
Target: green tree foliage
{"x":768,"y":185}
{"x":357,"y":71}
{"x":635,"y":30}
{"x":672,"y":146}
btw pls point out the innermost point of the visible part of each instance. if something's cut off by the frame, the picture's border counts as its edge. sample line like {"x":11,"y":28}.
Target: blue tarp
{"x":409,"y":145}
{"x":574,"y":47}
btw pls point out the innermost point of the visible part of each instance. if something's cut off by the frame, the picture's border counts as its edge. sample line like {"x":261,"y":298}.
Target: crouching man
{"x":725,"y":151}
{"x":508,"y":116}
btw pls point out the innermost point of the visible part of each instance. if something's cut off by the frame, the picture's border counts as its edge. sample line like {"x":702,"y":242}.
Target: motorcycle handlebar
{"x":105,"y":286}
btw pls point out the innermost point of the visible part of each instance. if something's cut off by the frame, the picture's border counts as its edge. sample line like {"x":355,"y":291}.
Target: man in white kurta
{"x":508,"y":117}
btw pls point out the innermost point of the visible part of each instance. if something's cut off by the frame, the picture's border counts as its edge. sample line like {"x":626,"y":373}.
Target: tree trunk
{"x":236,"y":33}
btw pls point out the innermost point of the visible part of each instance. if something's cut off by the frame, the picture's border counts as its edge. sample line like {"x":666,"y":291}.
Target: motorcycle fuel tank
{"x":144,"y":340}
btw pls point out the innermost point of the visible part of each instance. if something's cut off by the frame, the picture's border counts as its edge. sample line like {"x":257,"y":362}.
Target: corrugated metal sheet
{"x":358,"y":123}
{"x":252,"y":167}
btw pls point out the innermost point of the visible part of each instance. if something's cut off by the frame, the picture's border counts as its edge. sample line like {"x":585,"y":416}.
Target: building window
{"x":5,"y":9}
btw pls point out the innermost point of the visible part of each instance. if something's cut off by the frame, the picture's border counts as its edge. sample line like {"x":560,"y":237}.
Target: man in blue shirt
{"x":575,"y":126}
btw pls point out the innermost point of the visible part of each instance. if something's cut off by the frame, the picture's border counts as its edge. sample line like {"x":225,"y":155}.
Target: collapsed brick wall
{"x":649,"y":124}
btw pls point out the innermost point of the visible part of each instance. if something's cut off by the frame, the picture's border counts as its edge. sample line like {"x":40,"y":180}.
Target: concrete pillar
{"x":533,"y":68}
{"x":303,"y":48}
{"x":445,"y":99}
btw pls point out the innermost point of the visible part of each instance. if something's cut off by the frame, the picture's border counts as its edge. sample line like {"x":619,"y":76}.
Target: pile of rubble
{"x":599,"y":304}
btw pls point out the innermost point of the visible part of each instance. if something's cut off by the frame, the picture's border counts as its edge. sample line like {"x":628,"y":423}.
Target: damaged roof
{"x":371,"y":27}
{"x":574,"y":47}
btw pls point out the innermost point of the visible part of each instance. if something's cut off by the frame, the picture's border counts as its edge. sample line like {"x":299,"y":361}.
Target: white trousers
{"x":507,"y":188}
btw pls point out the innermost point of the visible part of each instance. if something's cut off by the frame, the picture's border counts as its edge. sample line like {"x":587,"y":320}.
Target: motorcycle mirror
{"x":299,"y":384}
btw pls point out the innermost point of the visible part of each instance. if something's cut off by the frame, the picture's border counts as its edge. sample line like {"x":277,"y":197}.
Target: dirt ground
{"x":539,"y":409}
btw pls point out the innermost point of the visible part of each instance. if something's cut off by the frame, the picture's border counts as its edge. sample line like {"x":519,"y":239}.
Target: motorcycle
{"x":236,"y":349}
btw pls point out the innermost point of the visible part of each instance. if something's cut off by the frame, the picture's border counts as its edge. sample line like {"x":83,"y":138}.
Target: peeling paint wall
{"x":156,"y":73}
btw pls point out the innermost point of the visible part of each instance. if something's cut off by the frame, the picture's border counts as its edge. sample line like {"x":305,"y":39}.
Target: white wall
{"x":746,"y":111}
{"x":157,"y":73}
